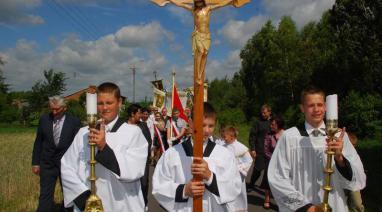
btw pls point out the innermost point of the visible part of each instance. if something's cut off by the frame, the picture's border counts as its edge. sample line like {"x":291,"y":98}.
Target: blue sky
{"x":93,"y":41}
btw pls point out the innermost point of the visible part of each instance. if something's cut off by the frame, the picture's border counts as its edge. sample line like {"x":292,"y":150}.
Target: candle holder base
{"x":93,"y":204}
{"x":325,"y":207}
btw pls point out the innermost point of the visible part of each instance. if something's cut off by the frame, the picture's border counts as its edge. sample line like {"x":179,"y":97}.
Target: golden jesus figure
{"x":201,"y":37}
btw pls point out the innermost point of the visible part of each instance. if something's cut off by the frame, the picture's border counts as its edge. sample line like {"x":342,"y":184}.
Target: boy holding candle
{"x":121,"y":152}
{"x":296,"y":169}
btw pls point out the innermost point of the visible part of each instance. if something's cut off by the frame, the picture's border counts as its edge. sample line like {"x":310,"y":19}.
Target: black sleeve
{"x":107,"y":158}
{"x":37,"y":147}
{"x":345,"y":171}
{"x":80,"y":201}
{"x":146,"y":132}
{"x":213,"y":187}
{"x":78,"y":125}
{"x":304,"y":208}
{"x":179,"y":194}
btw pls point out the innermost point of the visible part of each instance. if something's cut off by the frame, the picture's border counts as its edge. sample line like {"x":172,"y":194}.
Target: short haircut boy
{"x":133,"y":109}
{"x":209,"y":111}
{"x":109,"y":87}
{"x":309,"y":91}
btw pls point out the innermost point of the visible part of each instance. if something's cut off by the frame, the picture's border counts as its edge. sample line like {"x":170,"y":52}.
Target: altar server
{"x":243,"y":161}
{"x":121,"y":158}
{"x":295,"y":171}
{"x":172,"y":180}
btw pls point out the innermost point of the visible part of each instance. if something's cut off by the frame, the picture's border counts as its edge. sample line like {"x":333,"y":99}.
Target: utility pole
{"x":133,"y":69}
{"x":155,"y":74}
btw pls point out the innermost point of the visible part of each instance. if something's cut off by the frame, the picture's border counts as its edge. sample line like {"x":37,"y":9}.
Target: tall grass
{"x":19,"y":188}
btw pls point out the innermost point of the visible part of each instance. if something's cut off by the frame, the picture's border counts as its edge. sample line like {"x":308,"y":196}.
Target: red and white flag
{"x":176,"y":103}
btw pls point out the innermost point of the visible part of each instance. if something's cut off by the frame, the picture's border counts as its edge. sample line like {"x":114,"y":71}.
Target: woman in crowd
{"x":277,"y":128}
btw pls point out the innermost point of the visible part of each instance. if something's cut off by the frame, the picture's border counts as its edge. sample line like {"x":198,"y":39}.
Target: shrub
{"x":234,"y":116}
{"x":9,"y":114}
{"x":34,"y":118}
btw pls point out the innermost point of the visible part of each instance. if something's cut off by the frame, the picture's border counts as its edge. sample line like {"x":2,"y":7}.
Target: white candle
{"x":91,"y":103}
{"x":331,"y":107}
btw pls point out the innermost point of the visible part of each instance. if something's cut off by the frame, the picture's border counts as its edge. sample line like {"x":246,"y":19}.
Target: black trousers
{"x":48,"y":179}
{"x":255,"y":176}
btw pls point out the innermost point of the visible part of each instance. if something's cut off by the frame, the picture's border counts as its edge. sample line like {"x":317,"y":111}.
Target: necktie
{"x":56,"y":132}
{"x":316,"y":132}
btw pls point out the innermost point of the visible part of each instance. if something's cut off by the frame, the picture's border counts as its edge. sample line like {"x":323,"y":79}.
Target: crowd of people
{"x":290,"y":161}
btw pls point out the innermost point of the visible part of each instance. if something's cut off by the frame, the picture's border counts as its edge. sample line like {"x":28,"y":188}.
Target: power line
{"x":59,"y":12}
{"x":83,"y":18}
{"x":74,"y":19}
{"x":59,"y":7}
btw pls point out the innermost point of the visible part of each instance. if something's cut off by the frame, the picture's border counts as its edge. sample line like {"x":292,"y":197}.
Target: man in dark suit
{"x":55,"y":134}
{"x":256,"y":143}
{"x":144,"y":125}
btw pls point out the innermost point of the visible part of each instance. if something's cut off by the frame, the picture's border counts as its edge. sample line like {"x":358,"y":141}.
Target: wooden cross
{"x":201,"y":41}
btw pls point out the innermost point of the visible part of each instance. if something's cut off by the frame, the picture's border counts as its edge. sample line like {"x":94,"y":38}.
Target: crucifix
{"x":201,"y":42}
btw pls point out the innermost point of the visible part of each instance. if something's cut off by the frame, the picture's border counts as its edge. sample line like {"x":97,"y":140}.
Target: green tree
{"x":258,"y":56}
{"x":229,"y":99}
{"x":355,"y":27}
{"x":277,"y":64}
{"x":53,"y":84}
{"x":3,"y":86}
{"x":362,"y":113}
{"x":216,"y":92}
{"x":77,"y":109}
{"x":9,"y":114}
{"x":285,"y":76}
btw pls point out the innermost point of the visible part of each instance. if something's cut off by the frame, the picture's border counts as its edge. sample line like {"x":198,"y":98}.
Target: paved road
{"x":255,"y":200}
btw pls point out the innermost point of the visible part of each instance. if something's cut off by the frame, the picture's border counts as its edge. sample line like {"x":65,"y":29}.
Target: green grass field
{"x":19,"y":188}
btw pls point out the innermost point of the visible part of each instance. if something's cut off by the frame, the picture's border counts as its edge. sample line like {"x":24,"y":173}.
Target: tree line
{"x":341,"y":53}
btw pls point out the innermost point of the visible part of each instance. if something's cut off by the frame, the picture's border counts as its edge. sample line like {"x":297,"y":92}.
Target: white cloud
{"x":24,"y":61}
{"x":182,"y":14}
{"x":13,"y":12}
{"x":225,"y":67}
{"x":109,"y":58}
{"x":301,"y":11}
{"x":142,"y":35}
{"x":236,"y":33}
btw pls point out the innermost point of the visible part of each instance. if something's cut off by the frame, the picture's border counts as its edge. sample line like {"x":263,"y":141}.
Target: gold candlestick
{"x":93,"y":203}
{"x":331,"y":130}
